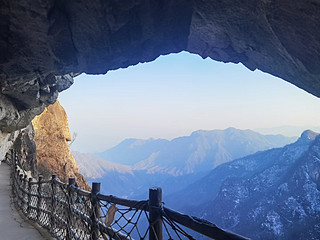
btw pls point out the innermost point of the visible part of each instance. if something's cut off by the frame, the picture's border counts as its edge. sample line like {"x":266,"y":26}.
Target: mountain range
{"x":201,"y":151}
{"x":134,"y":165}
{"x":274,"y":194}
{"x":269,"y":194}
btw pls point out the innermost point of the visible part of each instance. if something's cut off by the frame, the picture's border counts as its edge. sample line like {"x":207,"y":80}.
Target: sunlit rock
{"x":52,"y":136}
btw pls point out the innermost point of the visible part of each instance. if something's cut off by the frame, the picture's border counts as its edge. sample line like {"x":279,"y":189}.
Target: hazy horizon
{"x":288,"y":131}
{"x":181,"y":93}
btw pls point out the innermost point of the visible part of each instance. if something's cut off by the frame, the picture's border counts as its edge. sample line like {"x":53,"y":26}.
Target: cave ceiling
{"x":43,"y":43}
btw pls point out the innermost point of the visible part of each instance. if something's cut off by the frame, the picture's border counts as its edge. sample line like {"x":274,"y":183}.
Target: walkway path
{"x":12,"y":225}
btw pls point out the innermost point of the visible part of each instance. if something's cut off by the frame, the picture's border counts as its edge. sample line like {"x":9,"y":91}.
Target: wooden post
{"x":26,"y":194}
{"x":53,"y":206}
{"x":155,"y":200}
{"x":13,"y":158}
{"x":95,"y":210}
{"x":15,"y":182}
{"x":12,"y":162}
{"x":20,"y":193}
{"x":15,"y":162}
{"x":29,"y":198}
{"x":71,"y":182}
{"x":39,"y":198}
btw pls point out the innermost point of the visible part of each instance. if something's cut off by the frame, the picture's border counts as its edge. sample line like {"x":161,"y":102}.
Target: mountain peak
{"x":206,"y":132}
{"x":308,"y":136}
{"x":231,"y":129}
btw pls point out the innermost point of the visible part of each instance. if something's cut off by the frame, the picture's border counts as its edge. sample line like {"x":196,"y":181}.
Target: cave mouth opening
{"x":177,"y":94}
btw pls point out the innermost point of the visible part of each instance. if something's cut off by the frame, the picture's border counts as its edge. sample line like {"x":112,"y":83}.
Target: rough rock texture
{"x":42,"y":39}
{"x":25,"y":148}
{"x":22,"y":142}
{"x":23,"y":99}
{"x":51,"y":136}
{"x":6,"y":141}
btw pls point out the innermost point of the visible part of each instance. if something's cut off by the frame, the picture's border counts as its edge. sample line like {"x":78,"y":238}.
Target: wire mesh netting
{"x":174,"y":230}
{"x":33,"y":201}
{"x":69,"y":212}
{"x":60,"y":211}
{"x":81,"y":211}
{"x":120,"y":222}
{"x":44,"y":204}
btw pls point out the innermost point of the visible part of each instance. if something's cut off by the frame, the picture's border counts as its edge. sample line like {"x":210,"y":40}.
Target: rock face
{"x":51,"y":136}
{"x":42,"y":41}
{"x":22,"y":100}
{"x":6,"y":142}
{"x":22,"y":142}
{"x":25,"y":148}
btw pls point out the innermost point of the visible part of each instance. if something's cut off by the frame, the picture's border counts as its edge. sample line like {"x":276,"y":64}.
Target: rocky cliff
{"x":51,"y":137}
{"x":42,"y":42}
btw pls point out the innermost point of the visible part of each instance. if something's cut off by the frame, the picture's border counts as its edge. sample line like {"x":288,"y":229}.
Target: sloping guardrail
{"x":69,"y":212}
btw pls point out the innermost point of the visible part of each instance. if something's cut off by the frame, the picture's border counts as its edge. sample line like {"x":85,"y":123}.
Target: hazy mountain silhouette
{"x":135,"y":165}
{"x":123,"y":181}
{"x":94,"y":167}
{"x":201,"y":151}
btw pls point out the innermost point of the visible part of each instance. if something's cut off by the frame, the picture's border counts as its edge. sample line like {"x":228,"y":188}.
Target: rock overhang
{"x":43,"y":41}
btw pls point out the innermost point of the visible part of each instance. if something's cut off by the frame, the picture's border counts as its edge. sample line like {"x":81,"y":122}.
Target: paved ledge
{"x":14,"y":226}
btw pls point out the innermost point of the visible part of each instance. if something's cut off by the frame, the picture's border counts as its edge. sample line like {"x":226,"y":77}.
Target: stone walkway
{"x":12,"y":225}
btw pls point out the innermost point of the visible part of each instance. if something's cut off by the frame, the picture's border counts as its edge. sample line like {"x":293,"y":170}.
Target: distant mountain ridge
{"x":135,"y":165}
{"x":274,"y":194}
{"x":201,"y":151}
{"x":123,"y":181}
{"x":93,"y":167}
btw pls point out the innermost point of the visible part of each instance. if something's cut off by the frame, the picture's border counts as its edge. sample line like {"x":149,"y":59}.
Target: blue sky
{"x":178,"y":94}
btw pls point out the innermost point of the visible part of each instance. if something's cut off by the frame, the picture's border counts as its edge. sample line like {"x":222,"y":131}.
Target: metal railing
{"x":69,"y":212}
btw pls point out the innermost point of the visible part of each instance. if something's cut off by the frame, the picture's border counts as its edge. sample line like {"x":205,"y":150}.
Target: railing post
{"x":26,"y":194}
{"x":95,"y":210}
{"x":39,"y":198}
{"x":15,"y":181}
{"x":13,"y":153}
{"x":19,"y":174}
{"x":53,"y":205}
{"x":29,"y":198}
{"x":72,"y":181}
{"x":17,"y":178}
{"x":15,"y":160}
{"x":155,"y":200}
{"x":20,"y":193}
